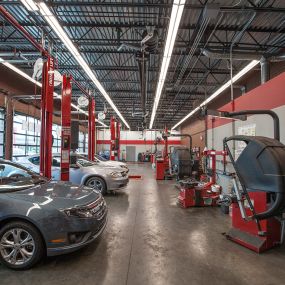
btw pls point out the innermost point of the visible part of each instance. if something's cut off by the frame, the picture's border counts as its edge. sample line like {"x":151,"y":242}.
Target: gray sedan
{"x":39,"y":216}
{"x":84,"y":172}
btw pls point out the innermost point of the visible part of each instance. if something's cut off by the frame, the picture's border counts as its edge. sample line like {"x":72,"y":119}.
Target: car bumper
{"x":117,"y":184}
{"x":89,"y":237}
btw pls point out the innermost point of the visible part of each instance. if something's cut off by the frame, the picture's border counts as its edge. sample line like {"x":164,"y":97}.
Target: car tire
{"x":25,"y":241}
{"x":97,"y":183}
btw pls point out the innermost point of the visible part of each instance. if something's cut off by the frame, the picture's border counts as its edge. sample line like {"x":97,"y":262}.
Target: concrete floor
{"x":149,"y":240}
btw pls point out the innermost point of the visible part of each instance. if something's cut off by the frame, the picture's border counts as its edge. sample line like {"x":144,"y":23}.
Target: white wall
{"x":143,"y":141}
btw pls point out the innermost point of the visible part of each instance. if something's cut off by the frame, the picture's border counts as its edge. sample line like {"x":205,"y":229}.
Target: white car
{"x":105,"y":162}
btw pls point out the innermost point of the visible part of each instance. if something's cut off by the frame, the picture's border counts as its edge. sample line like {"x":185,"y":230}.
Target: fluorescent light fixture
{"x":54,"y":24}
{"x":240,"y":74}
{"x":30,"y":5}
{"x":176,"y":14}
{"x":26,"y":76}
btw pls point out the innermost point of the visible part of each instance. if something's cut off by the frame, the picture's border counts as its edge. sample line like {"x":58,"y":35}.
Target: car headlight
{"x":77,"y":212}
{"x":124,"y":166}
{"x":116,"y":174}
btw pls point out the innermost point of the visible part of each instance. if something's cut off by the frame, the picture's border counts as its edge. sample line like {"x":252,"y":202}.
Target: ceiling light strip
{"x":52,"y":21}
{"x":240,"y":74}
{"x":176,"y":15}
{"x":26,"y":76}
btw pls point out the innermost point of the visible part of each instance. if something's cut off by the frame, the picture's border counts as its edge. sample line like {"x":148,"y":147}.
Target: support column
{"x":66,"y":92}
{"x":9,"y":118}
{"x":91,"y":129}
{"x":46,"y":117}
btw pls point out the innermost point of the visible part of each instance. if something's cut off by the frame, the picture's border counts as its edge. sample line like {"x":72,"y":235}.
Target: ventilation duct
{"x":226,"y":56}
{"x":209,"y":13}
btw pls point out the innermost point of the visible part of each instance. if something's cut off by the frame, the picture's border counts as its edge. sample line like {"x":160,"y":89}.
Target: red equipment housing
{"x":246,"y":233}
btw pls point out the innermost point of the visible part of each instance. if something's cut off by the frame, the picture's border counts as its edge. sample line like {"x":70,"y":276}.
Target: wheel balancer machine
{"x":163,"y":164}
{"x":258,"y":195}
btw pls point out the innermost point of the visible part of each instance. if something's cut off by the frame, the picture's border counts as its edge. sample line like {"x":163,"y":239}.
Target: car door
{"x":55,"y":168}
{"x":75,"y":171}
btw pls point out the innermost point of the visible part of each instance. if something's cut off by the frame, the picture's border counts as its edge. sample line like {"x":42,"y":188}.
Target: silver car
{"x":83,"y":172}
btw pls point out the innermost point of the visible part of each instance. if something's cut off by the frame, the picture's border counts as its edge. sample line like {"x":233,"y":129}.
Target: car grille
{"x":124,"y":173}
{"x":99,"y":227}
{"x":98,"y":208}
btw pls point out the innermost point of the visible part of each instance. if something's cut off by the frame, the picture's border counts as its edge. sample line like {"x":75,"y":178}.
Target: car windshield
{"x":14,"y":177}
{"x":100,"y":158}
{"x":80,"y":159}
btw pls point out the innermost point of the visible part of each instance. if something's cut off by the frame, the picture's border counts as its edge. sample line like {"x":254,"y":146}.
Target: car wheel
{"x":21,"y":245}
{"x":98,"y":184}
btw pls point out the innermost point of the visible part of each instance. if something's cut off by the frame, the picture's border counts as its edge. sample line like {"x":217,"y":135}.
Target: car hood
{"x":113,"y":163}
{"x":57,"y":194}
{"x":102,"y":169}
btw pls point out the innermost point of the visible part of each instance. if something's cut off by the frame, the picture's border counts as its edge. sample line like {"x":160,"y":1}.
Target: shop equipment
{"x":258,"y":196}
{"x":164,"y":168}
{"x":203,"y":192}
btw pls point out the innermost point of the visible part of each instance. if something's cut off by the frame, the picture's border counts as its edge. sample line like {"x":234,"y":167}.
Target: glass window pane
{"x":19,"y":139}
{"x":19,"y":150}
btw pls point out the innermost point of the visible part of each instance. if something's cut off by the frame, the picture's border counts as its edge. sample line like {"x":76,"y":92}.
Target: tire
{"x":97,"y":183}
{"x":225,"y":209}
{"x":12,"y":238}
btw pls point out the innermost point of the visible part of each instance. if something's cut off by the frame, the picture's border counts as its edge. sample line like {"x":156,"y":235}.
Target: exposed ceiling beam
{"x":123,"y":24}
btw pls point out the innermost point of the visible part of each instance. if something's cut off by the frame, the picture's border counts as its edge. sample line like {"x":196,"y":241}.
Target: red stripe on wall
{"x":267,"y":96}
{"x":141,"y":142}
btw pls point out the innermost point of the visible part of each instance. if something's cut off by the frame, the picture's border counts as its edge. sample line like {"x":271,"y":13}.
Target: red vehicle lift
{"x":91,"y":122}
{"x":66,"y":94}
{"x":91,"y":130}
{"x":47,"y":96}
{"x":46,"y":117}
{"x":115,"y":139}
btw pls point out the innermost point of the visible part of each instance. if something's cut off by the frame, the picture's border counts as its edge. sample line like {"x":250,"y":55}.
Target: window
{"x":56,"y":132}
{"x":26,"y":136}
{"x":83,"y":142}
{"x":2,"y":127}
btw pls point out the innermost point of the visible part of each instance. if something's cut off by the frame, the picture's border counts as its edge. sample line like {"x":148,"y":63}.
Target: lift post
{"x":115,"y":139}
{"x":91,"y":129}
{"x":46,"y":117}
{"x":66,"y":93}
